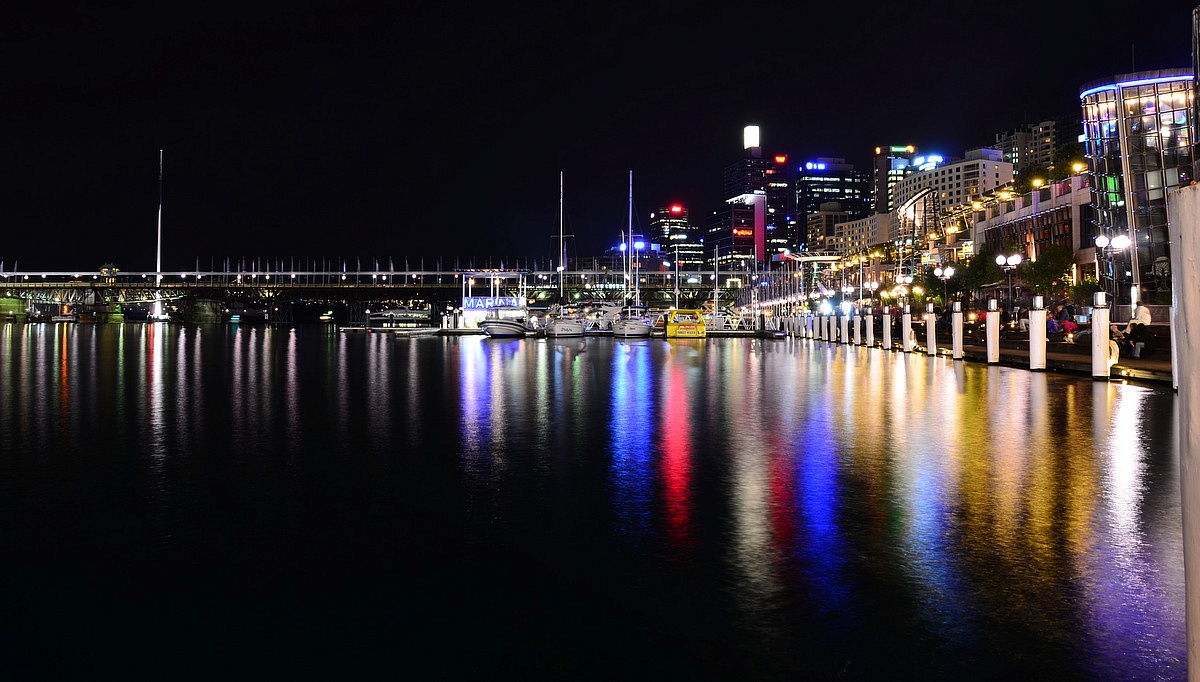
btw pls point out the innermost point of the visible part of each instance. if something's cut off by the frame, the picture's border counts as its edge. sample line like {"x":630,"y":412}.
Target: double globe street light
{"x":1008,"y":264}
{"x":944,"y":274}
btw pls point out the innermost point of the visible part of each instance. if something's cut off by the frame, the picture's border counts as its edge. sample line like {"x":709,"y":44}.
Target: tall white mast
{"x":158,"y":256}
{"x":562,"y":252}
{"x":637,"y":301}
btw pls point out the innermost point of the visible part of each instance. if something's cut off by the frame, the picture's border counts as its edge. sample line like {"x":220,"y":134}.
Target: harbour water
{"x":212,"y":501}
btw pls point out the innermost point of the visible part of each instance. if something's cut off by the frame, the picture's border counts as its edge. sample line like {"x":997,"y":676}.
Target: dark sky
{"x":434,"y":130}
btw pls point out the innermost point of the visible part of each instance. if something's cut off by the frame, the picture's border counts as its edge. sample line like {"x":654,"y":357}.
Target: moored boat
{"x":683,"y":323}
{"x":506,"y":322}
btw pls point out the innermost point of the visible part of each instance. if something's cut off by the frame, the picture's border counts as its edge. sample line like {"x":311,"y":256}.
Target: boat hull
{"x":631,"y":329}
{"x":503,"y":329}
{"x":564,"y":329}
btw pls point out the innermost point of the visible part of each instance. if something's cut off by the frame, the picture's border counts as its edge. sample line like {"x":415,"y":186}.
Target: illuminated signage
{"x":676,"y":209}
{"x":485,"y":302}
{"x":750,"y":137}
{"x":740,"y":232}
{"x":780,"y":158}
{"x":820,"y":165}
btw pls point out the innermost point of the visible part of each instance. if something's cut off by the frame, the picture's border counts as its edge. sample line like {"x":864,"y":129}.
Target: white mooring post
{"x":956,"y":323}
{"x":906,"y":343}
{"x":843,"y":333}
{"x":1100,"y":350}
{"x":1037,"y":335}
{"x":887,"y":328}
{"x":993,"y":332}
{"x":870,"y":327}
{"x":1184,"y":218}
{"x":930,"y":330}
{"x":857,"y":328}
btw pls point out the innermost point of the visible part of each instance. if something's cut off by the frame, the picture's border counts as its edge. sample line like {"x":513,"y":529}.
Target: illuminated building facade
{"x":959,"y":182}
{"x":826,"y":180}
{"x":1139,"y":131}
{"x":681,"y":241}
{"x":890,"y":166}
{"x":776,"y":226}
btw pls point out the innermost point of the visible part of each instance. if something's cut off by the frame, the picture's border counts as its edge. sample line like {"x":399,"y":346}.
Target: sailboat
{"x":633,"y":322}
{"x":558,"y":325}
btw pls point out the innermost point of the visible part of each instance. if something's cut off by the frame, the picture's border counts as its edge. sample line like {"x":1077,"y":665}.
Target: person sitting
{"x":1138,"y":329}
{"x":1069,"y":326}
{"x":1052,"y":326}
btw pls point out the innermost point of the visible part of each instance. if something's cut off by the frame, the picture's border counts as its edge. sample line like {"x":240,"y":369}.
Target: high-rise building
{"x":822,"y":226}
{"x":1140,"y":128}
{"x":680,"y":239}
{"x":1033,"y":144}
{"x":890,"y":166}
{"x":828,"y":179}
{"x":764,"y":185}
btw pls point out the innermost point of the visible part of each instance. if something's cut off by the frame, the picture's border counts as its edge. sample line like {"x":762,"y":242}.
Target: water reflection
{"x":789,"y":505}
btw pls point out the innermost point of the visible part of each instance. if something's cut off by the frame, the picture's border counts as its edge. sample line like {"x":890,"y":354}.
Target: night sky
{"x":434,"y":130}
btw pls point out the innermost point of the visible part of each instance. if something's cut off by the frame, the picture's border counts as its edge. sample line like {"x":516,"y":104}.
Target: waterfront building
{"x":859,"y":236}
{"x":1059,"y":213}
{"x":680,"y":239}
{"x":1139,"y":130}
{"x":890,"y":166}
{"x":824,"y":180}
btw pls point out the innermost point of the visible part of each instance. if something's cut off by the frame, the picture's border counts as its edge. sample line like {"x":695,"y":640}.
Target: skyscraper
{"x":889,"y":168}
{"x":760,"y":191}
{"x":823,"y":180}
{"x":680,"y":239}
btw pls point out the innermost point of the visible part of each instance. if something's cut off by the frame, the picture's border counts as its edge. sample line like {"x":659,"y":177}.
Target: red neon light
{"x":742,"y":233}
{"x":676,"y":208}
{"x":780,"y":158}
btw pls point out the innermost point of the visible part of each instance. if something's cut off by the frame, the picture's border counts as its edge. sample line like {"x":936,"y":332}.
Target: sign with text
{"x":485,"y":302}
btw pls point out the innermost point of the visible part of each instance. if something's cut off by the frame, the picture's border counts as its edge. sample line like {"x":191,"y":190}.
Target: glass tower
{"x":1139,"y":130}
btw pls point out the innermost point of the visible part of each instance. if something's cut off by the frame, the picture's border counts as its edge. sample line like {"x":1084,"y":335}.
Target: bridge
{"x":203,"y":296}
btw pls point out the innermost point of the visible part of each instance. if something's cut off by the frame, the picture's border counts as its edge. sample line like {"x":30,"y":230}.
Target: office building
{"x":825,"y":180}
{"x":680,"y":240}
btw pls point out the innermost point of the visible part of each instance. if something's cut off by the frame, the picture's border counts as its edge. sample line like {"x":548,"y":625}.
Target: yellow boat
{"x":685,"y":324}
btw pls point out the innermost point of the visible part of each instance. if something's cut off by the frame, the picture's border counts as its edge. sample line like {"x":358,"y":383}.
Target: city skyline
{"x":418,"y":135}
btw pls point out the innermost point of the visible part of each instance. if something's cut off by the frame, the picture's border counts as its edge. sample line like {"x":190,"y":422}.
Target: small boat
{"x":681,"y":323}
{"x":66,"y":317}
{"x":506,"y":322}
{"x":399,"y":317}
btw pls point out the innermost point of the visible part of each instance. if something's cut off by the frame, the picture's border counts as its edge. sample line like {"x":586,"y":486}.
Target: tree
{"x":1066,"y":156}
{"x":980,"y":270}
{"x":1048,"y":272}
{"x":1023,"y":182}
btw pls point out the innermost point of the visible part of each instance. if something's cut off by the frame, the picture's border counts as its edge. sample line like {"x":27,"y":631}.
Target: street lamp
{"x":904,"y":281}
{"x":1111,"y":247}
{"x":944,"y":274}
{"x":1008,"y":264}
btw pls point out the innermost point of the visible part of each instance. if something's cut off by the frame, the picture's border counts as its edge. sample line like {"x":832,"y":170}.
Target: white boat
{"x":67,"y":317}
{"x":563,"y":327}
{"x":633,"y":323}
{"x":506,"y":322}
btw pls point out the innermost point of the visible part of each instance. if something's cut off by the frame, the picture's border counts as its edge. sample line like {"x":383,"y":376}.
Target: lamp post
{"x":904,"y":281}
{"x":1111,"y":247}
{"x":944,"y":274}
{"x":1008,"y":264}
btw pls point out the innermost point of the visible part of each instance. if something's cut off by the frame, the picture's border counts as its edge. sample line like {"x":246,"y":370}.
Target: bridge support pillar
{"x":12,"y":310}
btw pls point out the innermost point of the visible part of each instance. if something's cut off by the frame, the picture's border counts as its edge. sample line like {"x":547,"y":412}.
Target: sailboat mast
{"x":158,"y":255}
{"x":637,"y":301}
{"x":562,"y":252}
